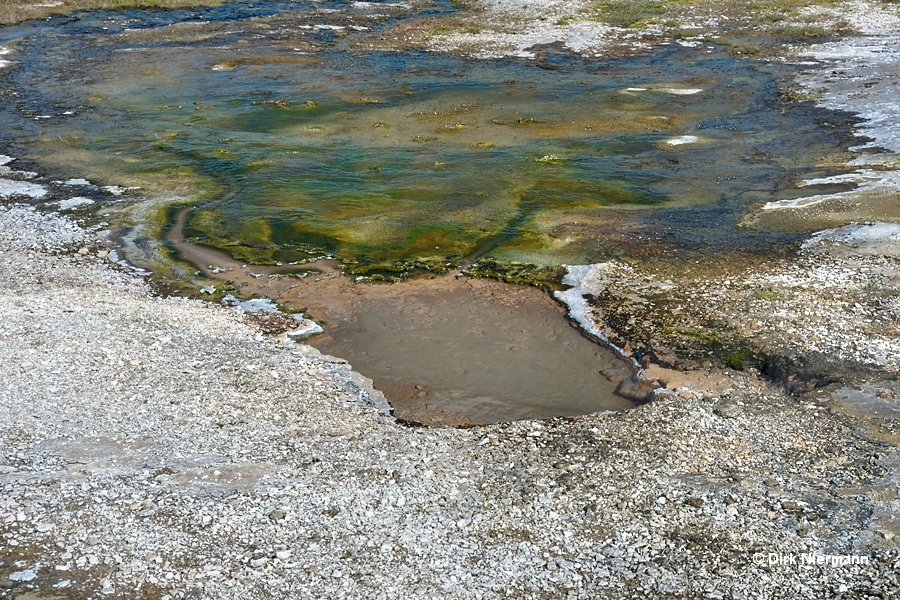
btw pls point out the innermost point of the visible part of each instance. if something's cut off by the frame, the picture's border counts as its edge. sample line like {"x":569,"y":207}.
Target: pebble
{"x":136,"y":441}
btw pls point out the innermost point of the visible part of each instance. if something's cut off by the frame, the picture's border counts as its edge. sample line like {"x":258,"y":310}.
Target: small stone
{"x":695,"y":502}
{"x":728,"y":410}
{"x":23,"y":575}
{"x":277,"y":515}
{"x":283,"y":554}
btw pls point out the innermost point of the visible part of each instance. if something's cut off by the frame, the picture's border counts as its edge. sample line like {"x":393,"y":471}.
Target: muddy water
{"x":290,"y":138}
{"x":475,"y":351}
{"x":445,"y":350}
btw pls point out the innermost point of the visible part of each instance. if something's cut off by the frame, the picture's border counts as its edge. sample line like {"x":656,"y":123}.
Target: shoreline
{"x":326,"y":303}
{"x":145,"y":411}
{"x":164,"y":447}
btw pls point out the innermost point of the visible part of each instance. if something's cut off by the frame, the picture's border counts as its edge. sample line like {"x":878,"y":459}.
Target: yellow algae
{"x":396,"y":156}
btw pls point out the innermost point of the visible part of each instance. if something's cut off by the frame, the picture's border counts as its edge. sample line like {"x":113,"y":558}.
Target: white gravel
{"x":161,"y":447}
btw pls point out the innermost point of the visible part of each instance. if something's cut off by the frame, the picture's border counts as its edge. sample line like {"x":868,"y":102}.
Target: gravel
{"x":158,"y":447}
{"x":161,"y":447}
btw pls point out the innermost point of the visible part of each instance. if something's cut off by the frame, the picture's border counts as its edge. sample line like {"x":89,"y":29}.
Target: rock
{"x":107,"y":587}
{"x":27,"y":575}
{"x":728,"y":410}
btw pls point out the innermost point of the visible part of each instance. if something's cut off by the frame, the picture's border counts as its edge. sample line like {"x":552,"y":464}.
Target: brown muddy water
{"x":290,"y":141}
{"x":463,"y":351}
{"x":445,"y":350}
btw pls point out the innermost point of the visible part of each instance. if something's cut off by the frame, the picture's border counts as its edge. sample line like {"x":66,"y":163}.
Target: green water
{"x":392,"y":159}
{"x":287,"y":141}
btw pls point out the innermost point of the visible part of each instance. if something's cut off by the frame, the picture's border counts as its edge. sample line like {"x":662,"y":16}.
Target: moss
{"x":735,"y":358}
{"x":766,"y":293}
{"x":702,"y":335}
{"x":770,"y":18}
{"x":796,"y":94}
{"x":516,"y":272}
{"x":628,"y":13}
{"x":801,"y":33}
{"x":399,"y":270}
{"x":745,"y":50}
{"x":253,"y":254}
{"x":567,"y":20}
{"x":704,"y":343}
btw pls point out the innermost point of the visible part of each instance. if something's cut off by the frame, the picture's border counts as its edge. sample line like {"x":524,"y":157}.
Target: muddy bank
{"x":827,"y":314}
{"x":445,"y":350}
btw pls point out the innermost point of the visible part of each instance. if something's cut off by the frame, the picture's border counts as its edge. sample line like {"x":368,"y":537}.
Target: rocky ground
{"x":168,"y":448}
{"x":829,"y":313}
{"x":492,"y":28}
{"x":161,"y":447}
